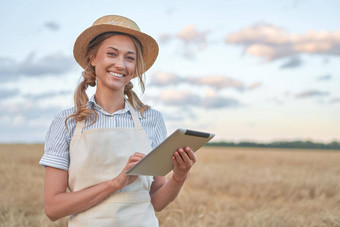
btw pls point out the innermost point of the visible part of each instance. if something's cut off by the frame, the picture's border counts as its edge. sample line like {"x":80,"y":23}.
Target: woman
{"x":89,"y":148}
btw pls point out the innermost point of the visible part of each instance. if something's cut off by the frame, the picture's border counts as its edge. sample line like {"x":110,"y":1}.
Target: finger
{"x":135,"y":158}
{"x":174,"y":162}
{"x":184,"y":156}
{"x":129,"y":165}
{"x":178,"y":158}
{"x":191,"y":154}
{"x":139,"y":154}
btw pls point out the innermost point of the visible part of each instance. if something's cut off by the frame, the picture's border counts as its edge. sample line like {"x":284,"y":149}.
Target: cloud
{"x":50,"y":94}
{"x":219,"y":102}
{"x":27,"y":109}
{"x":52,"y":25}
{"x":254,"y":85}
{"x":311,"y":93}
{"x":8,"y":68}
{"x":190,"y":34}
{"x":218,"y":82}
{"x":186,"y":98}
{"x":175,"y":97}
{"x":25,"y":121}
{"x":51,"y":64}
{"x":170,"y":10}
{"x":162,"y":79}
{"x":271,"y":42}
{"x":165,"y":38}
{"x":8,"y":93}
{"x":276,"y":100}
{"x":192,"y":39}
{"x":334,"y":100}
{"x":324,"y":77}
{"x":293,"y":62}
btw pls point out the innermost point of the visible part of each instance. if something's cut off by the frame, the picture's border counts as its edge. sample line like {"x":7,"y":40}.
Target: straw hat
{"x":115,"y":23}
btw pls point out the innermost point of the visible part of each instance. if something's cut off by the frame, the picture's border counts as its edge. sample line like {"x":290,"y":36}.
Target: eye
{"x":111,"y":53}
{"x":130,"y":58}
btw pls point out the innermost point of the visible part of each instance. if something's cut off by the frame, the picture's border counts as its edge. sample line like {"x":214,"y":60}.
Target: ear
{"x":93,"y":61}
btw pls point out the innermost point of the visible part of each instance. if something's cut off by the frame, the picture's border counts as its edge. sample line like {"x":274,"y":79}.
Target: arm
{"x":162,"y":192}
{"x":58,"y":203}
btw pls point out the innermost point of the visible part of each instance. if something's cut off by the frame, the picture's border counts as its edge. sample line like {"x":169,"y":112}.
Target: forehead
{"x":121,"y":43}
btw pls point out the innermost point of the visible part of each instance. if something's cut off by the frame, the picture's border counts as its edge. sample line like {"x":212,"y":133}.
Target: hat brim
{"x":149,"y":45}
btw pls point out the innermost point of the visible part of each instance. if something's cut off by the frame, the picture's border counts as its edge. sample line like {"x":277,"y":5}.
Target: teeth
{"x":116,"y":75}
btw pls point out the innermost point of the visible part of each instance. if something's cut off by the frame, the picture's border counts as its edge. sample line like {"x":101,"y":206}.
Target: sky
{"x":244,"y":70}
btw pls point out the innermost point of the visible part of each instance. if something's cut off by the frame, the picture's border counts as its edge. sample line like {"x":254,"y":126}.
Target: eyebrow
{"x":129,"y":52}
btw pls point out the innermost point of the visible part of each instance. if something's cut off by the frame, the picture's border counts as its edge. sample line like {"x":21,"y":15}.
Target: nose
{"x":120,"y":63}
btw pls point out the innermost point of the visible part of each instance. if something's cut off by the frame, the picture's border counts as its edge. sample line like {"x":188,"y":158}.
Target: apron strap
{"x":135,"y":117}
{"x":79,"y":128}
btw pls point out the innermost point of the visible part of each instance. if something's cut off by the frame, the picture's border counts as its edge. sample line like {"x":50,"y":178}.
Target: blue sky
{"x":245,"y":70}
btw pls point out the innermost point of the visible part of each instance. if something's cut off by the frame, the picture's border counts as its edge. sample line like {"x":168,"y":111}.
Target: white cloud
{"x":175,"y":97}
{"x":312,"y":93}
{"x":324,"y":77}
{"x":185,"y":98}
{"x":165,"y":38}
{"x":8,"y":93}
{"x":219,"y":102}
{"x":190,"y":34}
{"x":259,"y":33}
{"x":192,"y":39}
{"x":55,"y":64}
{"x":164,"y":79}
{"x":292,"y":62}
{"x":254,"y":85}
{"x":271,"y":42}
{"x":52,"y":25}
{"x":335,"y":100}
{"x":218,"y":82}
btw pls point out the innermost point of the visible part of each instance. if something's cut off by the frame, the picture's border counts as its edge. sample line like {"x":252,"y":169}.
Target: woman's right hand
{"x":123,"y":179}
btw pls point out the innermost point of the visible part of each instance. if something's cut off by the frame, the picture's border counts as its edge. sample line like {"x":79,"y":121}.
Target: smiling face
{"x":115,"y":63}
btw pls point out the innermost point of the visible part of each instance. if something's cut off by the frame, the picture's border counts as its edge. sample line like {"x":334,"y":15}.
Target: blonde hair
{"x":82,"y":110}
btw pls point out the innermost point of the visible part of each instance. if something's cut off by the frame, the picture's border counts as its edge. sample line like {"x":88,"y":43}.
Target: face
{"x":115,"y":63}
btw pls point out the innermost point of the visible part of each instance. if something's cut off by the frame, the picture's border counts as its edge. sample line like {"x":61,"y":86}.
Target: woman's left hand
{"x":183,"y":160}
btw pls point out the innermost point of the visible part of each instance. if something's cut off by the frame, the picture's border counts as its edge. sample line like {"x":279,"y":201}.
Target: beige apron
{"x":99,"y":155}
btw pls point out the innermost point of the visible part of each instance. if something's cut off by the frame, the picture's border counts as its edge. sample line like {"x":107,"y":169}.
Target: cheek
{"x":100,"y":67}
{"x":131,"y":68}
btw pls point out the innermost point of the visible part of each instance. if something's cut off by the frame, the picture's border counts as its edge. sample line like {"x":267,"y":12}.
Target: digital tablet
{"x":158,"y":161}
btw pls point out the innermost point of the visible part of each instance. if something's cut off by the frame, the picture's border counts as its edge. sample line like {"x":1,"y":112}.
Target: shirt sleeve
{"x":160,"y":131}
{"x":57,"y":143}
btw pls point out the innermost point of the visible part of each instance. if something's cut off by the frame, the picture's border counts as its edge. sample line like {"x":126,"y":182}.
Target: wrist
{"x":114,"y":185}
{"x":178,"y":179}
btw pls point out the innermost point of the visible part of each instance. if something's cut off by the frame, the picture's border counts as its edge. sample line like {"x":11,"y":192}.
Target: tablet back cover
{"x":158,"y":161}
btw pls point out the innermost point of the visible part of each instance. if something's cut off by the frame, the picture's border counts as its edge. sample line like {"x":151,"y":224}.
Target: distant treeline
{"x":292,"y":144}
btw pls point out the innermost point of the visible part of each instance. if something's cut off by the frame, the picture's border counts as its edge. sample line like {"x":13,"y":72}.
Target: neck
{"x":110,"y":102}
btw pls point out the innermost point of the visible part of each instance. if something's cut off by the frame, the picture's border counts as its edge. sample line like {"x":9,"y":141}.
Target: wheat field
{"x":227,"y":187}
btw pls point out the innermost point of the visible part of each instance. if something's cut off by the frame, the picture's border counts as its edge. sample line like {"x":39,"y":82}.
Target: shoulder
{"x":152,"y":114}
{"x":58,"y":123}
{"x":154,"y":118}
{"x":63,"y":114}
{"x":154,"y":125}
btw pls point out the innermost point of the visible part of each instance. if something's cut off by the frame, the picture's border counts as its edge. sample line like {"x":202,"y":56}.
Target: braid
{"x":134,"y":99}
{"x":80,"y":97}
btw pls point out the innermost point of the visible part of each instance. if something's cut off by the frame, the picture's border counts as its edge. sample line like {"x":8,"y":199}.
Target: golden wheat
{"x":227,"y":187}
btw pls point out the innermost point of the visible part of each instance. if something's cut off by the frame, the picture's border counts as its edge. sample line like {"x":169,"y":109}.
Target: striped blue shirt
{"x":57,"y":143}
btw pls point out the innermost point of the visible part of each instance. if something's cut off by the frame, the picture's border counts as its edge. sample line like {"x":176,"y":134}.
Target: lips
{"x":116,"y":75}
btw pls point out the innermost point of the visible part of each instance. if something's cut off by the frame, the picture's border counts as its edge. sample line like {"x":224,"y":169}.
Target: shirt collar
{"x":93,"y":105}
